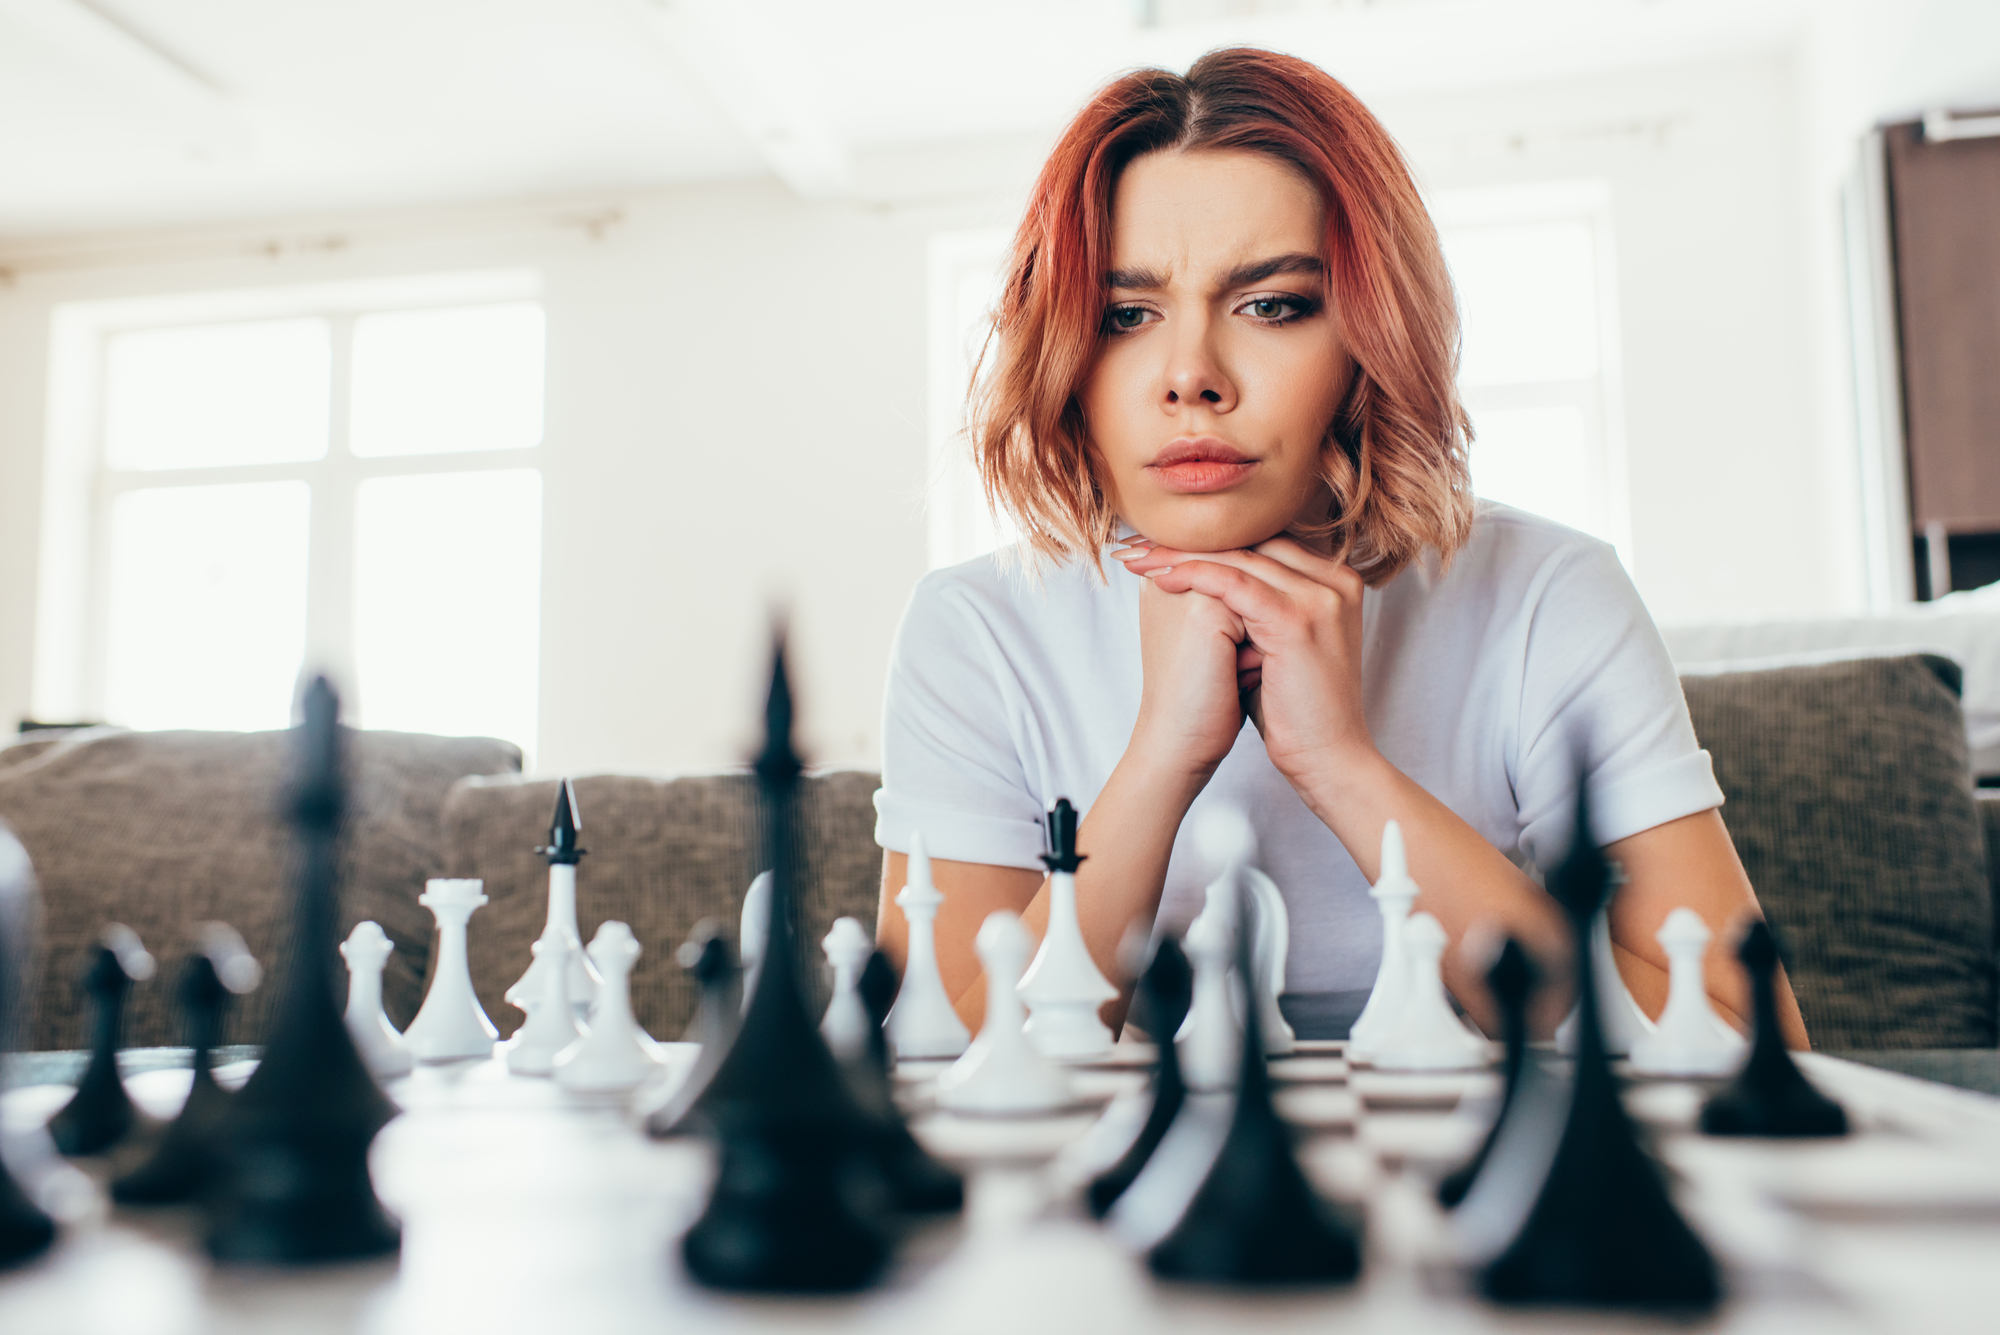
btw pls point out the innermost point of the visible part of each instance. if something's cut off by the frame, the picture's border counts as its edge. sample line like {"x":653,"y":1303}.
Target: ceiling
{"x":122,"y":114}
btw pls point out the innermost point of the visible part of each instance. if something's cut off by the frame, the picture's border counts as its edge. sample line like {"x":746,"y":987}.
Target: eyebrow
{"x":1243,"y":275}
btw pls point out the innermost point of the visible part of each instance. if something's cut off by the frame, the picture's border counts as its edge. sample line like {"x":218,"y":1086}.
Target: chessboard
{"x":526,"y":1209}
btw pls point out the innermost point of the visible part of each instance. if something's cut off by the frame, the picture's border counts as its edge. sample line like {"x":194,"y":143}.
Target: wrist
{"x":1334,"y":778}
{"x":1171,"y":774}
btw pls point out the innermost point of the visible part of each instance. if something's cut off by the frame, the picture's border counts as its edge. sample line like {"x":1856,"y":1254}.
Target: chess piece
{"x":182,"y":1164}
{"x":367,"y":950}
{"x":1228,"y":845}
{"x":292,"y":1181}
{"x":1159,"y":1004}
{"x":845,"y":1024}
{"x":1770,"y":1095}
{"x":1602,"y":1232}
{"x":551,"y":1026}
{"x":1394,"y":894}
{"x":918,"y":1184}
{"x":1255,"y":1219}
{"x":562,"y":853}
{"x":1625,"y":1025}
{"x":1512,"y":982}
{"x":100,"y":1114}
{"x":1064,"y":988}
{"x":1690,"y":1039}
{"x":707,"y":957}
{"x":923,"y":1023}
{"x":1428,"y":1035}
{"x":799,"y":1202}
{"x":1208,"y":1037}
{"x":1003,"y":1073}
{"x":753,"y":930}
{"x":451,"y":1025}
{"x":612,"y":1057}
{"x":25,"y":1229}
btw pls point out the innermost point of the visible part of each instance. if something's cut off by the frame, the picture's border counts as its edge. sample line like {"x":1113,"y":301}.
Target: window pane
{"x":448,"y":603}
{"x":1535,"y":459}
{"x":442,"y":382}
{"x":208,"y":395}
{"x":207,"y":605}
{"x":1528,"y":297}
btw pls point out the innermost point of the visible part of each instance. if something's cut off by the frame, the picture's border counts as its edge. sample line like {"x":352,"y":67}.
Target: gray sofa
{"x":1850,"y":800}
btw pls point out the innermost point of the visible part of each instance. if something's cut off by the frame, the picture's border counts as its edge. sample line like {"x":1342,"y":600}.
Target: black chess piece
{"x":293,"y":1184}
{"x":1512,"y":981}
{"x":1770,"y":1095}
{"x":1603,"y":1232}
{"x":184,"y":1161}
{"x":1159,"y":1005}
{"x":562,"y":848}
{"x":918,"y":1183}
{"x":100,"y":1113}
{"x":707,"y":958}
{"x":799,"y":1202}
{"x":25,"y":1229}
{"x":1255,"y":1219}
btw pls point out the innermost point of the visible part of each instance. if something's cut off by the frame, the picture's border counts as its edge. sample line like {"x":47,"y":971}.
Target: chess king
{"x":1225,"y":359}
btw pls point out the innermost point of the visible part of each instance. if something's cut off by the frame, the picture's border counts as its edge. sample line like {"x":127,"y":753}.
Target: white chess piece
{"x":450,"y":1025}
{"x":1228,"y":844}
{"x":845,"y":1024}
{"x":1064,"y":988}
{"x":1428,"y":1035}
{"x":922,"y":1023}
{"x":551,"y":1025}
{"x":528,"y":991}
{"x":752,"y":931}
{"x":1394,"y":894}
{"x":1691,"y":1039}
{"x":1002,"y":1073}
{"x":1623,"y":1023}
{"x":1209,"y":1041}
{"x":614,"y":1055}
{"x":367,"y":950}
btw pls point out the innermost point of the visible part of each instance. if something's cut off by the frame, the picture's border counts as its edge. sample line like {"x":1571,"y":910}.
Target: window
{"x":966,"y":270}
{"x":247,"y":485}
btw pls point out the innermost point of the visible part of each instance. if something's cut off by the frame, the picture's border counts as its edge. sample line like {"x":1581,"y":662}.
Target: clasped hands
{"x":1271,"y":632}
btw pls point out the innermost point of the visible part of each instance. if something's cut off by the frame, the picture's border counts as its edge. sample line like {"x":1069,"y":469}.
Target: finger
{"x":1248,"y":657}
{"x":1241,"y":592}
{"x":1316,"y":566}
{"x":1264,"y":568}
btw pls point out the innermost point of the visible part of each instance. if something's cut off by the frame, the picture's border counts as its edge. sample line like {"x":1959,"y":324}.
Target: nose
{"x":1194,"y":375}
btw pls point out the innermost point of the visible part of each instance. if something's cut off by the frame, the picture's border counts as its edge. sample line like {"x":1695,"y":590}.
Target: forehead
{"x":1194,"y":214}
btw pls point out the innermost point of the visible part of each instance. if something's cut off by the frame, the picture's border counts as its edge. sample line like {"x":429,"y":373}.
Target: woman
{"x":1228,"y":335}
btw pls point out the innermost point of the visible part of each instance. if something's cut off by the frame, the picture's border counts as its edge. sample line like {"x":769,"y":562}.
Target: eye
{"x":1122,"y":319}
{"x":1278,"y":310}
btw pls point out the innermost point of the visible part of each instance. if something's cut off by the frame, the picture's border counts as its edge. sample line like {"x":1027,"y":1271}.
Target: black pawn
{"x":25,"y":1230}
{"x":1603,"y":1231}
{"x":293,"y":1184}
{"x":708,"y":960}
{"x":918,"y":1183}
{"x":1159,"y":1004}
{"x":100,"y":1114}
{"x":799,"y":1202}
{"x":184,"y":1161}
{"x":1770,"y":1095}
{"x":1255,"y":1219}
{"x":1512,"y":981}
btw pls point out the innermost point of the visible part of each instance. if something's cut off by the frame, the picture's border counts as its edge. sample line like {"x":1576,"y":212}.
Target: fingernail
{"x":1128,"y":556}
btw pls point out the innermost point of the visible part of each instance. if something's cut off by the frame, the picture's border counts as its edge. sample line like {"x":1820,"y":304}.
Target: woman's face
{"x":1220,"y":365}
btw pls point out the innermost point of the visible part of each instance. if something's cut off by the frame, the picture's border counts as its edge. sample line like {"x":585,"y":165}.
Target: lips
{"x":1188,"y":467}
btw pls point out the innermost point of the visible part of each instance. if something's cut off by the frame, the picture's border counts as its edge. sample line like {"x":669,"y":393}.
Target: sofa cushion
{"x":1849,"y":797}
{"x":163,"y":830}
{"x":663,"y":853}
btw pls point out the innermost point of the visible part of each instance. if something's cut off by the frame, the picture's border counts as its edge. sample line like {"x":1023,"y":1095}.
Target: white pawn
{"x":1394,"y":894}
{"x":1063,"y":987}
{"x":922,"y":1023}
{"x":1228,"y":845}
{"x":845,"y":1024}
{"x":367,"y":950}
{"x":752,"y":931}
{"x":1209,"y":1042}
{"x":614,"y":1056}
{"x":1620,"y":1018}
{"x":1429,"y":1036}
{"x":1691,"y":1039}
{"x":450,"y":1025}
{"x":1001,"y":1073}
{"x":551,"y":1024}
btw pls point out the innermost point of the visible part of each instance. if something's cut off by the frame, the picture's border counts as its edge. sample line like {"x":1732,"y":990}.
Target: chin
{"x":1195,"y":532}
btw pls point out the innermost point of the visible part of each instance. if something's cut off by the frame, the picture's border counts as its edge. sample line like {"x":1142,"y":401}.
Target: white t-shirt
{"x":1483,"y":685}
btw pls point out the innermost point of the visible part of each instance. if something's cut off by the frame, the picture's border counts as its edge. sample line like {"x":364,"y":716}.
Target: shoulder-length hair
{"x":1395,"y":458}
